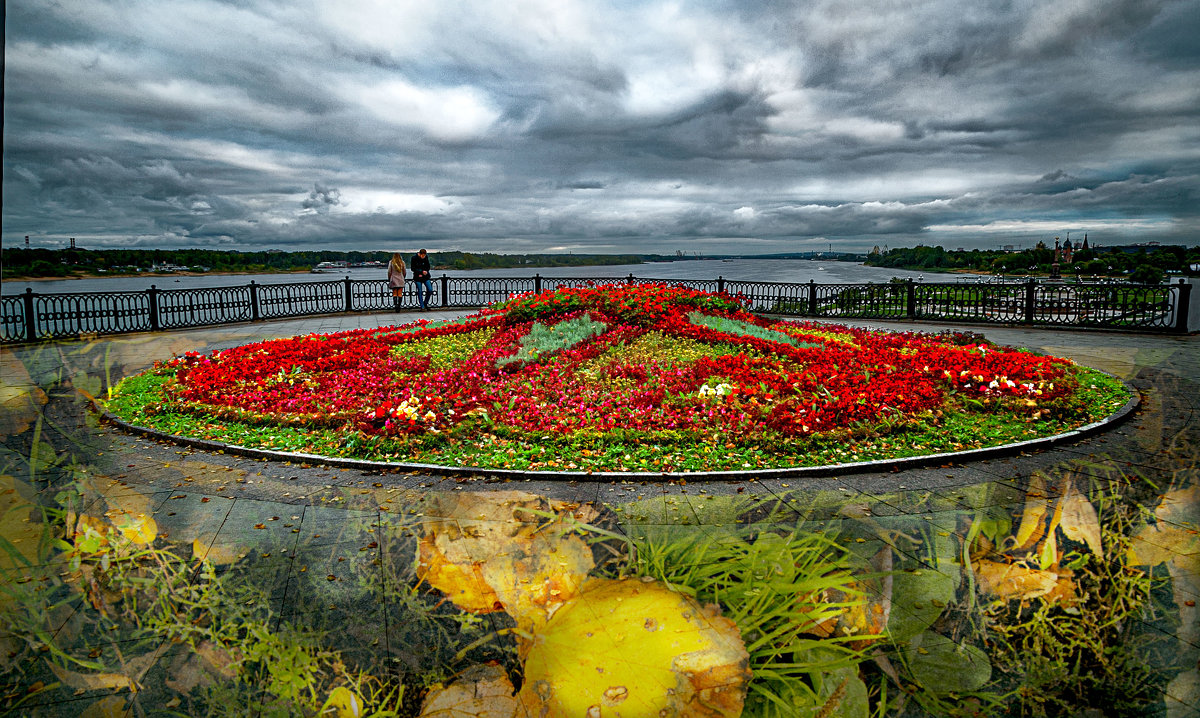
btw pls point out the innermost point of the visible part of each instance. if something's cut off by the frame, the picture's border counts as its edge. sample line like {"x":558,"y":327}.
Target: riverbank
{"x":163,"y":275}
{"x":256,"y":272}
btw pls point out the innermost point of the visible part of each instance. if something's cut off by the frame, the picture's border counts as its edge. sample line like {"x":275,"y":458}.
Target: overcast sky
{"x":600,"y":125}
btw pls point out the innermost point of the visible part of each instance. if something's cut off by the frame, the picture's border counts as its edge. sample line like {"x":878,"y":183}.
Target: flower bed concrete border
{"x":791,"y":472}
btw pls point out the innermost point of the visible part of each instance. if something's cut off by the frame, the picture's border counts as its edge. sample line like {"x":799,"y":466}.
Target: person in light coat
{"x":396,"y":277}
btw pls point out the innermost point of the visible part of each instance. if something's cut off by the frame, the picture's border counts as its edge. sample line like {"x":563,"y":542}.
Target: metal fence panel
{"x":301,"y":299}
{"x":469,"y":292}
{"x":996,"y":303}
{"x":703,"y":285}
{"x":372,"y":295}
{"x":1114,"y":306}
{"x":549,"y":283}
{"x":12,"y":318}
{"x":180,"y":308}
{"x":68,"y":315}
{"x":1110,"y":306}
{"x":865,"y":301}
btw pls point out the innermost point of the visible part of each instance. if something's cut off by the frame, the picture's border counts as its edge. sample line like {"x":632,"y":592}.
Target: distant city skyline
{"x":600,"y":127}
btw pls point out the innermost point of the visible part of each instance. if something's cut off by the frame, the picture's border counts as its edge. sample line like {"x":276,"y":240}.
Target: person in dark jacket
{"x":420,"y":272}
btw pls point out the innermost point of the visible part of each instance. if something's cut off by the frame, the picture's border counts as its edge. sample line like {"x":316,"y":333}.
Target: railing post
{"x":910,"y":298}
{"x":720,"y":284}
{"x":445,"y":291}
{"x":1181,"y":311}
{"x":537,"y":284}
{"x":1030,"y":298}
{"x":30,"y":319}
{"x":152,"y":293}
{"x":254,"y":313}
{"x":349,"y":296}
{"x":812,"y":297}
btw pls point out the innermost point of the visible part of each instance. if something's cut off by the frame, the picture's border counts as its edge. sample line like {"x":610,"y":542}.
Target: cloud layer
{"x":564,"y":125}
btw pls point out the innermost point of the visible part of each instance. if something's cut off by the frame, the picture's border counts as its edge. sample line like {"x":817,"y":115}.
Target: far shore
{"x":167,"y":275}
{"x":123,"y":275}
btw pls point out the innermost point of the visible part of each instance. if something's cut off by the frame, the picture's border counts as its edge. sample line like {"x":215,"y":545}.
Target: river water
{"x":756,"y":270}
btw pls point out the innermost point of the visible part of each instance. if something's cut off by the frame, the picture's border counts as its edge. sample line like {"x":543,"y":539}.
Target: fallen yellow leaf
{"x":1012,"y":581}
{"x":1031,"y":528}
{"x":217,"y":554}
{"x":481,"y":692}
{"x":342,"y":703}
{"x":21,"y":400}
{"x":92,"y":681}
{"x":629,"y":649}
{"x":1079,"y":520}
{"x":492,"y":551}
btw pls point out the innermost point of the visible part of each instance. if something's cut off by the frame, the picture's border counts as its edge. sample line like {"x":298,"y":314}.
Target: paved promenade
{"x":311,"y":540}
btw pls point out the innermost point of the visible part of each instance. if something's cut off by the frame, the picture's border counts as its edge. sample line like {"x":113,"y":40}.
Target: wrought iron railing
{"x":34,"y":316}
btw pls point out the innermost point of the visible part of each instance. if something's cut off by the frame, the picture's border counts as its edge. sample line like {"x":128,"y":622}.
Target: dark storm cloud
{"x":650,"y":127}
{"x":321,"y":198}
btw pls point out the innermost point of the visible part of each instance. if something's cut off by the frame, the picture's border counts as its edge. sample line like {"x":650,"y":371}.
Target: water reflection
{"x":148,"y":580}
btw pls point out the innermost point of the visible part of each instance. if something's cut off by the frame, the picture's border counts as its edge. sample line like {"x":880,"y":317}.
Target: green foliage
{"x":1089,"y":653}
{"x":545,"y":339}
{"x":1146,"y":274}
{"x":768,"y":584}
{"x":1109,"y":261}
{"x":746,"y":329}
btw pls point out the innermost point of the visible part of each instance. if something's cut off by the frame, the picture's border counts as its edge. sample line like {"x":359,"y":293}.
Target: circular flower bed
{"x":618,"y":378}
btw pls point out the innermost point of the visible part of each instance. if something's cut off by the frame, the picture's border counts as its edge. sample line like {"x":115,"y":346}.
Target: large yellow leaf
{"x":1150,"y":546}
{"x":343,"y":703}
{"x":532,"y":585}
{"x":1174,"y":538}
{"x":1181,"y":507}
{"x":218,"y":554}
{"x":1079,"y":520}
{"x":140,"y":528}
{"x":1011,"y":581}
{"x":463,"y":583}
{"x":499,"y":551}
{"x":1031,"y":527}
{"x":481,"y":692}
{"x":20,"y":399}
{"x":631,"y":649}
{"x":92,"y":681}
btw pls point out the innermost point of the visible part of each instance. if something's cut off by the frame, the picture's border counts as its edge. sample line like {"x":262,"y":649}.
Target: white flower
{"x":718,"y":390}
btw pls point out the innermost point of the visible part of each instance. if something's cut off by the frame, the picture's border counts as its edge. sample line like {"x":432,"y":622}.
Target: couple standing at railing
{"x":420,"y":270}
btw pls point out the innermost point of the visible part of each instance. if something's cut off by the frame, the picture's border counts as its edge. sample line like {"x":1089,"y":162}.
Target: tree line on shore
{"x":1141,"y":264}
{"x":50,"y":263}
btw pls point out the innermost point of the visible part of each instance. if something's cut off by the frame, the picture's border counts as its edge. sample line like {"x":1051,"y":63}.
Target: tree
{"x":1146,"y":274}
